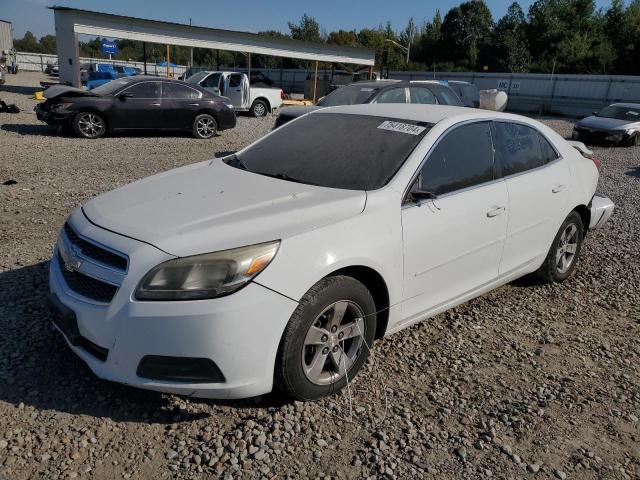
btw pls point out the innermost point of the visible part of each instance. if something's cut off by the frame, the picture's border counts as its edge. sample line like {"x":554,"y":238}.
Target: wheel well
{"x":378,"y":288}
{"x":265,"y":101}
{"x":585,"y":215}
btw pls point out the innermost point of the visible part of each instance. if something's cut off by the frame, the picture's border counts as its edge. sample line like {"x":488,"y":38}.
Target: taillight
{"x":282,"y":95}
{"x":596,"y":161}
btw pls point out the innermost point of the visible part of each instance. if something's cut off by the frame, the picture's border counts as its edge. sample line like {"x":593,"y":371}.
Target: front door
{"x":139,"y":106}
{"x":211,"y":83}
{"x":453,"y":243}
{"x":538,"y":184}
{"x":234,"y":90}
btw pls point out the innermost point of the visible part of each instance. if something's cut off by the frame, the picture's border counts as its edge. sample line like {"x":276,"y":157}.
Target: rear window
{"x":354,"y":152}
{"x":348,"y":95}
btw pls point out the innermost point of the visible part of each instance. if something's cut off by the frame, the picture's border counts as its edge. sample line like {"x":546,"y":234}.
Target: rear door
{"x":537,"y":180}
{"x":211,"y":83}
{"x":180,"y":103}
{"x":452,"y":244}
{"x":138,"y":106}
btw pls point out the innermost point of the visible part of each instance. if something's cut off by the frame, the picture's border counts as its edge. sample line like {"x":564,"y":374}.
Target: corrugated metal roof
{"x":326,"y":48}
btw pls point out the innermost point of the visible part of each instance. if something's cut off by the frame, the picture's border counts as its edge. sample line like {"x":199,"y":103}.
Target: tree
{"x":510,"y":48}
{"x":307,"y":29}
{"x":28,"y":43}
{"x":344,"y":37}
{"x":466,"y":28}
{"x":428,"y":46}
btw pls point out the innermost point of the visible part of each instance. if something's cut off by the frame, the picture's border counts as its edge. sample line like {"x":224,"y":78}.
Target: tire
{"x":259,"y":109}
{"x":311,"y":340}
{"x":89,"y":125}
{"x":633,"y":141}
{"x":561,"y":261}
{"x":204,"y":126}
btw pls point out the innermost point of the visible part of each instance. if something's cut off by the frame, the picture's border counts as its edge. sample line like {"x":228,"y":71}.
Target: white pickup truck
{"x":235,"y":86}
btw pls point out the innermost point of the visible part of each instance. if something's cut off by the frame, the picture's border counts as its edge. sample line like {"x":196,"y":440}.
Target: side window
{"x":548,"y":152}
{"x":177,"y":91}
{"x":235,"y":80}
{"x":422,"y":96}
{"x":144,"y":90}
{"x":212,"y":81}
{"x":395,"y":95}
{"x":463,"y":158}
{"x":517,"y":147}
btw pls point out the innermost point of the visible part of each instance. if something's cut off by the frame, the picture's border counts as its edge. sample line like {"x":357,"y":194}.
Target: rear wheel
{"x":565,"y":249}
{"x":204,"y":126}
{"x":327,"y":339}
{"x":259,"y":109}
{"x":89,"y":125}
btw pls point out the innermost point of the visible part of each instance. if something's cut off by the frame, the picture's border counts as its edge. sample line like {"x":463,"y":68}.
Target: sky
{"x":245,"y":15}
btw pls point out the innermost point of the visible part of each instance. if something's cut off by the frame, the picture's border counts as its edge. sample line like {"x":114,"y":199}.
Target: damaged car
{"x":277,"y":267}
{"x":618,"y":123}
{"x":137,"y":103}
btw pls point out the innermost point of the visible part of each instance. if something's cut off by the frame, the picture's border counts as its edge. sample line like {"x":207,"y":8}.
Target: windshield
{"x":109,"y":88}
{"x":353,"y":152}
{"x":621,"y":113}
{"x":196,"y":77}
{"x":348,"y":95}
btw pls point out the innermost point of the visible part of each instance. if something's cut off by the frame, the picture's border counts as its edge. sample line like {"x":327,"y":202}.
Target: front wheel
{"x":259,"y":109}
{"x":204,"y":126}
{"x":327,"y":339}
{"x":565,"y":249}
{"x":89,"y":125}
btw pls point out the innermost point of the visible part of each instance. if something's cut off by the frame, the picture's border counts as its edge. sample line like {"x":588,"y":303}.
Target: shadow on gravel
{"x":37,"y":368}
{"x":634,"y":172}
{"x":528,"y":281}
{"x":19,"y":89}
{"x":30,"y":129}
{"x":50,"y":131}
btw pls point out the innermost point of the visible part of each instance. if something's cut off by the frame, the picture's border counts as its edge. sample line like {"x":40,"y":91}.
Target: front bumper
{"x":592,"y":135}
{"x":601,"y":210}
{"x":239,"y":333}
{"x":51,"y":118}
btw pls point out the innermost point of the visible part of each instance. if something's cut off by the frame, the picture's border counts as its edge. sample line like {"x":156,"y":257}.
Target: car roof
{"x":626,"y":105}
{"x":419,"y":113}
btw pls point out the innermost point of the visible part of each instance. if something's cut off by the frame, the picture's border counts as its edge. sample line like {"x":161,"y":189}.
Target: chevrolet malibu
{"x":278,"y":266}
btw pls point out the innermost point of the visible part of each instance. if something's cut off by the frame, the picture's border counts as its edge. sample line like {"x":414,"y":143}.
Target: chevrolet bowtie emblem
{"x":71,"y":262}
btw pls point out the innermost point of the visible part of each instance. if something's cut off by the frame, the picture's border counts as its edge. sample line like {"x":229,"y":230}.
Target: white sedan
{"x":278,"y":266}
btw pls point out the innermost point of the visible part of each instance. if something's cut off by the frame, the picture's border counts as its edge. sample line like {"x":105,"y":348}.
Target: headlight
{"x":230,"y":105}
{"x":61,"y":107}
{"x":206,"y":276}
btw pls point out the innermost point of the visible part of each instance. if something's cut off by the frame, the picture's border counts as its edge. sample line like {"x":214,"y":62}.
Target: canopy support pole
{"x":315,"y":83}
{"x":168,"y":61}
{"x":144,"y":56}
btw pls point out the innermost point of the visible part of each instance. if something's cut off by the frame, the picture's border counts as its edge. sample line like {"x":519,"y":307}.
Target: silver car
{"x":618,"y":123}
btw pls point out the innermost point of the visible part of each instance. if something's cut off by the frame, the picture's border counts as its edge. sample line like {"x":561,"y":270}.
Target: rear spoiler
{"x":581,"y":147}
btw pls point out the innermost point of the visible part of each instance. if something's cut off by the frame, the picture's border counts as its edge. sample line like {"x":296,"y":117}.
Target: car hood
{"x":211,"y":206}
{"x":603,"y":123}
{"x":295,"y":112}
{"x":56,"y":90}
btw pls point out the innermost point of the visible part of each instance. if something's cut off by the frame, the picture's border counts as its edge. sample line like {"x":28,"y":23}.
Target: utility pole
{"x":410,"y":35}
{"x":191,"y":50}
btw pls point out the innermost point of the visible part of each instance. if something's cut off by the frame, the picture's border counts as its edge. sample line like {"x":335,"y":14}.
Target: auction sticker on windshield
{"x":401,"y":127}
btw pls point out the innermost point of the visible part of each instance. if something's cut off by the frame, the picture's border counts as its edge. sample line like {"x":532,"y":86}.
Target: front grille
{"x":95,"y":252}
{"x":86,"y":286}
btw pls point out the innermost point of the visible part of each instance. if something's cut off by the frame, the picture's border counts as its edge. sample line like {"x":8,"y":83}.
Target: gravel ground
{"x":529,"y":381}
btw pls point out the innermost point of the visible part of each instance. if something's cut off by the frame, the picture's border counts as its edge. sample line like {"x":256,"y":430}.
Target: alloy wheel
{"x":206,"y":127}
{"x":91,"y":125}
{"x":333,"y":342}
{"x":567,"y":248}
{"x":259,"y":110}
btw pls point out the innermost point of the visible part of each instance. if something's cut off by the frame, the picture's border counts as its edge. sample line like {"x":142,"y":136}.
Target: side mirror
{"x":124,"y":96}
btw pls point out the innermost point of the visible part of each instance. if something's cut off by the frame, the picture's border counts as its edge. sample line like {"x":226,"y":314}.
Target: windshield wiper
{"x":284,"y":176}
{"x":236,"y":162}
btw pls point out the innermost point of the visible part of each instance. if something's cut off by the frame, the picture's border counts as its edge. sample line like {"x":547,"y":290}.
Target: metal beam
{"x":71,"y":20}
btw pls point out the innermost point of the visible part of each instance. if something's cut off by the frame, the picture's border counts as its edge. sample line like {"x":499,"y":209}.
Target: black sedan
{"x":381,"y":91}
{"x":137,"y":103}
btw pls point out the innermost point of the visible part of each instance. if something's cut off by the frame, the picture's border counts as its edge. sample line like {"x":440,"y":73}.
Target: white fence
{"x":528,"y":92}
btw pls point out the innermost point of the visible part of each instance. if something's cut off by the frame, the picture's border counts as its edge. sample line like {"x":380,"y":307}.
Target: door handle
{"x":156,"y":104}
{"x":495,"y":211}
{"x":557,"y":189}
{"x":238,"y":90}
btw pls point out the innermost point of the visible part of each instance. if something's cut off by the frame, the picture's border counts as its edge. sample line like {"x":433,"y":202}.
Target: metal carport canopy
{"x":70,"y":22}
